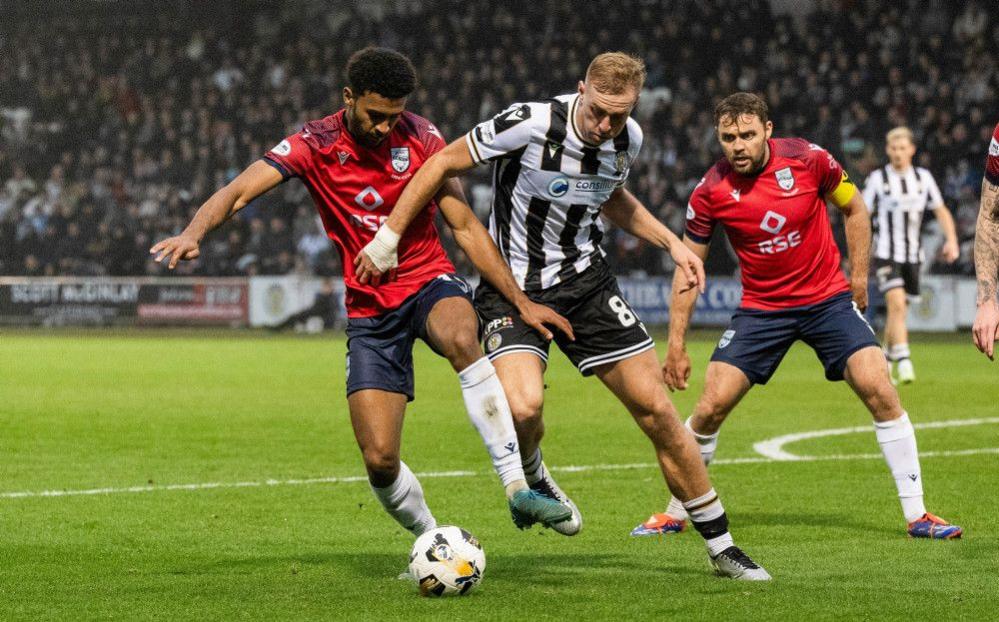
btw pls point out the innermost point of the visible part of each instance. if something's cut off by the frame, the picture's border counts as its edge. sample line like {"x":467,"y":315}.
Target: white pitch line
{"x":444,"y":474}
{"x":774,"y":448}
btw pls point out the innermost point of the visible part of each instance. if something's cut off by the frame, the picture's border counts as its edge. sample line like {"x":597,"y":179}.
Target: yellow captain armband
{"x":844,"y":191}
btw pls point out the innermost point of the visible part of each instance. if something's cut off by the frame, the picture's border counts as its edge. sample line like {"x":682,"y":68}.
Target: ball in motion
{"x":447,"y":561}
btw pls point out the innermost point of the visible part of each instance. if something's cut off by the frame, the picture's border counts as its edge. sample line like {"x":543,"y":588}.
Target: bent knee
{"x":381,"y":461}
{"x":526,"y":406}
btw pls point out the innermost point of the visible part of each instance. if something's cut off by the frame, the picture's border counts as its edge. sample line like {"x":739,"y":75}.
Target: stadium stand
{"x":116,"y":125}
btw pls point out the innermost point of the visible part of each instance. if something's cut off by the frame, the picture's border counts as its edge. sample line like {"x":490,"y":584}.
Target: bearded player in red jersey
{"x":355,"y":164}
{"x":986,"y":328}
{"x":770,"y":196}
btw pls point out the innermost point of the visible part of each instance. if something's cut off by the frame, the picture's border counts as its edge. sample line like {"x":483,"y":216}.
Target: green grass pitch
{"x":261,"y":415}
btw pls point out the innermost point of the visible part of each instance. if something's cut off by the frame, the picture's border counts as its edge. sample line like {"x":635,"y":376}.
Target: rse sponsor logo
{"x":994,"y":147}
{"x":772,"y":222}
{"x":371,"y":222}
{"x":283,"y":148}
{"x":780,"y":243}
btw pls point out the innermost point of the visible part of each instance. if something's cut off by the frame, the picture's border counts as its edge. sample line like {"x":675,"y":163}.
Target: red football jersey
{"x":777,"y":223}
{"x":355,"y":188}
{"x":992,"y":160}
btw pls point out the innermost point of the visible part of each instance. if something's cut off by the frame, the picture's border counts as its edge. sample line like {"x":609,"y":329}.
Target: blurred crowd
{"x":118,"y":120}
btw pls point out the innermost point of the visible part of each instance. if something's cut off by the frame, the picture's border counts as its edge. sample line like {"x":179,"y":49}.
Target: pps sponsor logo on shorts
{"x":501,"y":322}
{"x":726,"y":339}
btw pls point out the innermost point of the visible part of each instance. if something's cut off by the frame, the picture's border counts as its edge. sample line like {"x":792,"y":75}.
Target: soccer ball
{"x":447,"y":561}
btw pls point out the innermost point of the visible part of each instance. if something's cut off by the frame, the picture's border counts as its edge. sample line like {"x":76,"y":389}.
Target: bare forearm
{"x":417,"y":194}
{"x":946,"y":224}
{"x":484,"y":255}
{"x":627,"y":212}
{"x":858,"y":242}
{"x":681,"y":308}
{"x":987,"y":243}
{"x":215,"y":211}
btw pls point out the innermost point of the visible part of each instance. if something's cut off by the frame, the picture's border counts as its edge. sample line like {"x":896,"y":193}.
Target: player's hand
{"x":676,"y":368}
{"x":690,"y":264}
{"x":537,"y":316}
{"x":986,"y":328}
{"x":950,"y":251}
{"x":177,"y":248}
{"x":378,"y":257}
{"x":859,"y":289}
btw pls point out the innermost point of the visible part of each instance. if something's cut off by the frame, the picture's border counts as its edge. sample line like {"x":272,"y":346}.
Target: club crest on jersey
{"x":558,"y":187}
{"x":785,"y":179}
{"x":726,"y":339}
{"x":400,"y":159}
{"x":994,"y":147}
{"x":621,"y":162}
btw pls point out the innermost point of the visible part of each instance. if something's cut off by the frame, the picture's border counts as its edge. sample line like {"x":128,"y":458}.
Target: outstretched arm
{"x":858,"y":243}
{"x":257,"y":179}
{"x":676,"y":367}
{"x":627,"y":212}
{"x":986,"y":327}
{"x":380,"y":255}
{"x":473,"y":238}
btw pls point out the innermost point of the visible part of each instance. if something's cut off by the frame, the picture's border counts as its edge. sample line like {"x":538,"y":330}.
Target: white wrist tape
{"x":382,"y":249}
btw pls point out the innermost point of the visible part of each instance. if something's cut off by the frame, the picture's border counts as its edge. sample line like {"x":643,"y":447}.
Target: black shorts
{"x":380,"y":349}
{"x":606,"y":327}
{"x":756,"y":341}
{"x":892,"y":274}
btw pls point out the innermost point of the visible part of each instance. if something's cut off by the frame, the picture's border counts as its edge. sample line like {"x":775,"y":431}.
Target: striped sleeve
{"x":871,"y":188}
{"x":503,"y":134}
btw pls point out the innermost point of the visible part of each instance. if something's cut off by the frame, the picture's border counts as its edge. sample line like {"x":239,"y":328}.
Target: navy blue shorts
{"x":380,"y":349}
{"x":756,"y":341}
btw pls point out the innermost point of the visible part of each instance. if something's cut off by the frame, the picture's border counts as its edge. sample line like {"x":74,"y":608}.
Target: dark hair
{"x":382,"y":71}
{"x":738,"y":104}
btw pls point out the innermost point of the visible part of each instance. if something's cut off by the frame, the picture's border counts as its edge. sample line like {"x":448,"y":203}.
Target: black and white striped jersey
{"x":897,"y":202}
{"x":549,"y":186}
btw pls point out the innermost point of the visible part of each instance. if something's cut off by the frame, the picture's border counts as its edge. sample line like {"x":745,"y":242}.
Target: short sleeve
{"x":292,"y":157}
{"x":871,"y":188}
{"x":433,"y":140}
{"x":827,"y":170}
{"x":503,"y":134}
{"x":992,"y":160}
{"x":636,"y":138}
{"x":700,"y":222}
{"x":936,"y":199}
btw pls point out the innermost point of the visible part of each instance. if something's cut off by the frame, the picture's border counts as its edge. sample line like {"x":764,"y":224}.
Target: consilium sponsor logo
{"x":558,"y":187}
{"x":594,"y":185}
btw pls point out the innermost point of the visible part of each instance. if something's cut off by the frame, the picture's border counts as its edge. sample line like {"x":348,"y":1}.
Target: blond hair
{"x":614,"y":72}
{"x":900,"y":132}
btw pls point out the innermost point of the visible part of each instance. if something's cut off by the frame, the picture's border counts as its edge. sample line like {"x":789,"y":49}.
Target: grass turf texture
{"x":95,"y":410}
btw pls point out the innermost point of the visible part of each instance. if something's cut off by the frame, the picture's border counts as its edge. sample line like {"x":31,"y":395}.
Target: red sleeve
{"x":992,"y":160}
{"x":827,"y":170}
{"x":292,"y":156}
{"x":700,"y":222}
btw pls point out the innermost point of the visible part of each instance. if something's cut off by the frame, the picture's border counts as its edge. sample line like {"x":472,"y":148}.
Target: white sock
{"x":708,"y":443}
{"x":533,"y":470}
{"x":489,"y":411}
{"x":899,"y":352}
{"x":708,"y":516}
{"x":675,"y":509}
{"x":403,"y":500}
{"x":898,"y":444}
